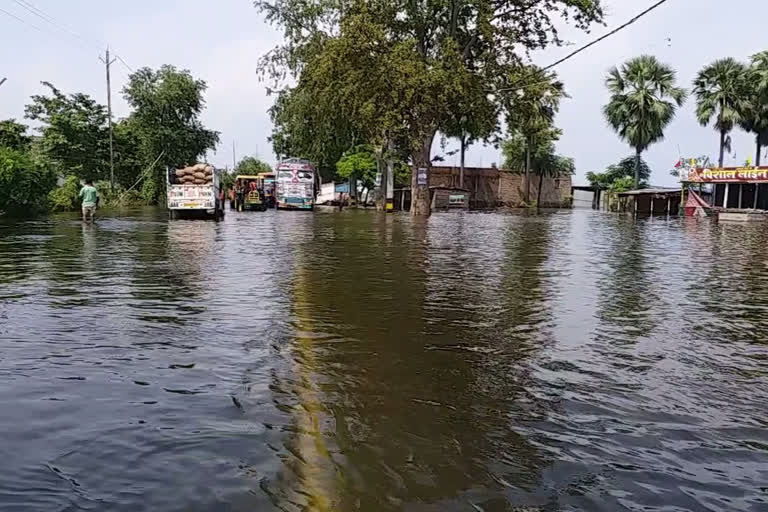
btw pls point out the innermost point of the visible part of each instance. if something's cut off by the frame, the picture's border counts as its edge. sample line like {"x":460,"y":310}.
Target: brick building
{"x":492,"y":187}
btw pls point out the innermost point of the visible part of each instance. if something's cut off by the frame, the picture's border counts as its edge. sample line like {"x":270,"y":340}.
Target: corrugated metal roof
{"x":651,"y":191}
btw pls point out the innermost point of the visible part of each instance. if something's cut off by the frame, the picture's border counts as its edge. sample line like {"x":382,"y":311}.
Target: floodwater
{"x":570,"y":361}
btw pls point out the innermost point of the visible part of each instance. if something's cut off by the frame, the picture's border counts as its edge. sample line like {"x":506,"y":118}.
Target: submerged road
{"x":569,"y":361}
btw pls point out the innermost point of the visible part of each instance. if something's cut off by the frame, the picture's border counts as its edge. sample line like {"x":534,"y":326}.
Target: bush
{"x":65,"y":197}
{"x":24,"y":182}
{"x":118,"y":197}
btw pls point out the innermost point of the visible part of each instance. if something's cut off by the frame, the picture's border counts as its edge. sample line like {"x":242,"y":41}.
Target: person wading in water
{"x":90,"y":197}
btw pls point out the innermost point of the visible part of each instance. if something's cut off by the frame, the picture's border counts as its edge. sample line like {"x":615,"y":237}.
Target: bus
{"x":296,"y":184}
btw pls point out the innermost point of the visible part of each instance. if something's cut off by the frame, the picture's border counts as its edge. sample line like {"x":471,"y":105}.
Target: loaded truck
{"x":195,"y":192}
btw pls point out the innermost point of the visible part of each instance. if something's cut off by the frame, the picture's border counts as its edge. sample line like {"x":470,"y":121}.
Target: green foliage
{"x":14,"y":135}
{"x":721,"y":93}
{"x":644,"y":100}
{"x":24,"y":183}
{"x":618,"y":173}
{"x":398,"y":71}
{"x":65,"y":197}
{"x":754,"y":109}
{"x":544,"y":161}
{"x":360,"y":164}
{"x":75,"y":136}
{"x":166,"y":120}
{"x":251,"y":165}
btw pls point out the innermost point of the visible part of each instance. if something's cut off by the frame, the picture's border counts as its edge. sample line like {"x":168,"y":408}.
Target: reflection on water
{"x":354,"y":361}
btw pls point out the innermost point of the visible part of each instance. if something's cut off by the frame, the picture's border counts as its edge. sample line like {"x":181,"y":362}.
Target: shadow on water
{"x":396,"y":321}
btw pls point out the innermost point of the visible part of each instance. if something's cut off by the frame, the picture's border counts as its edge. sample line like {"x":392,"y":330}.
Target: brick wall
{"x":555,"y":192}
{"x":491,"y":187}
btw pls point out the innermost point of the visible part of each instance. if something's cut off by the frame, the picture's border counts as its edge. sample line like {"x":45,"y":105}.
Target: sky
{"x":221,"y":42}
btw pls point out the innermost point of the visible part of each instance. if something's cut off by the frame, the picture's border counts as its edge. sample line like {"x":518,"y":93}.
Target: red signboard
{"x":726,"y":175}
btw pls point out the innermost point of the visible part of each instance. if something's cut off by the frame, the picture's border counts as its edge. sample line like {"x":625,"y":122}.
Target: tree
{"x":251,"y":165}
{"x":75,"y":136}
{"x":359,"y":164}
{"x":531,"y":112}
{"x":13,"y":135}
{"x":167,"y":105}
{"x":626,"y":167}
{"x":720,"y":90}
{"x":24,"y":183}
{"x":541,"y":159}
{"x":754,"y":110}
{"x":412,"y":64}
{"x":644,"y":100}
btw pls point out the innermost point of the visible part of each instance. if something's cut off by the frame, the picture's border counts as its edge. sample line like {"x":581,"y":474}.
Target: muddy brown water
{"x":569,"y":361}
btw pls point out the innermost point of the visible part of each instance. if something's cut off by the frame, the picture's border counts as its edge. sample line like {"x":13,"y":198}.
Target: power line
{"x":588,"y":45}
{"x":124,"y":63}
{"x":49,"y":19}
{"x":606,"y":36}
{"x":21,"y":20}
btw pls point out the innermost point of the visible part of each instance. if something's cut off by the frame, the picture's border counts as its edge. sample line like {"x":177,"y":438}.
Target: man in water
{"x":90,"y":197}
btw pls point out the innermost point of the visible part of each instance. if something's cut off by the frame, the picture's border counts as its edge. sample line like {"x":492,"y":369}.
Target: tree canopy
{"x":619,"y":172}
{"x":74,"y":130}
{"x":721,"y":93}
{"x":644,"y":100}
{"x":252,"y":165}
{"x":398,"y":69}
{"x":13,"y":135}
{"x":166,"y":122}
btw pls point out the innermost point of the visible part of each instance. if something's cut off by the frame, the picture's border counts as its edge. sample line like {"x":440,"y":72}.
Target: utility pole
{"x":107,"y":62}
{"x":234,"y":158}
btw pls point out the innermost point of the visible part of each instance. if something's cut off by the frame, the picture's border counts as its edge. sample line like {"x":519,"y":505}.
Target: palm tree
{"x":720,"y":93}
{"x":644,"y":100}
{"x":754,"y":111}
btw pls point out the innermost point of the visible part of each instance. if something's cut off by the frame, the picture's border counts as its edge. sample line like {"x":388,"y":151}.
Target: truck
{"x":195,"y":192}
{"x":296,"y":185}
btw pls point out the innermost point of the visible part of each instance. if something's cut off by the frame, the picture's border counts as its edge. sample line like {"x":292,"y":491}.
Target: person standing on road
{"x":90,"y":197}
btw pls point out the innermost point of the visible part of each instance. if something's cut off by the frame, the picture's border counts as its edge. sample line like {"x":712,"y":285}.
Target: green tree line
{"x":70,"y":143}
{"x":645,"y":98}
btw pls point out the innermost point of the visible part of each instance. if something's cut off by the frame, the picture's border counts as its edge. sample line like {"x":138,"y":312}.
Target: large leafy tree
{"x":411,"y":65}
{"x":13,"y":135}
{"x":644,"y":100}
{"x":75,"y":136}
{"x":721,"y":93}
{"x":754,"y":109}
{"x":167,"y":105}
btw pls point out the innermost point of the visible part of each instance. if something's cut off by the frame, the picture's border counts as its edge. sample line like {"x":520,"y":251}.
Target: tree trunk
{"x":381,"y":192}
{"x":538,"y":195}
{"x":759,"y":150}
{"x":422,"y":159}
{"x":722,"y":148}
{"x":527,"y":194}
{"x":463,"y":141}
{"x":638,"y":152}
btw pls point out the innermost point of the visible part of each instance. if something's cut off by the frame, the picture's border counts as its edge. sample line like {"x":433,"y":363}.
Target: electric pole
{"x":107,"y":62}
{"x":234,"y":158}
